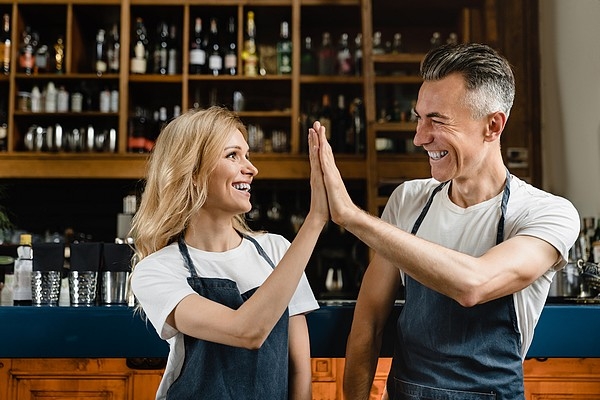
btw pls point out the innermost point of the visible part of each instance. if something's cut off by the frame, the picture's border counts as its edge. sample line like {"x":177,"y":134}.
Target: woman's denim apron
{"x":448,"y":352}
{"x":216,"y":371}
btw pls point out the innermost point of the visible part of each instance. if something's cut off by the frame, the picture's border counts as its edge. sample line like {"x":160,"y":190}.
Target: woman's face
{"x":229,"y":184}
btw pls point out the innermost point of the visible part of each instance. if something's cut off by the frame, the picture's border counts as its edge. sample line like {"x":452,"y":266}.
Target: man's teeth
{"x":241,"y":186}
{"x":436,"y":155}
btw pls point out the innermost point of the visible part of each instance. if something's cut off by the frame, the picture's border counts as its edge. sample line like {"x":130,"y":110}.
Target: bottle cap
{"x":25,"y":239}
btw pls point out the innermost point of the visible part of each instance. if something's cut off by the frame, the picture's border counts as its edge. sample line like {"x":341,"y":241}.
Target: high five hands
{"x":341,"y":206}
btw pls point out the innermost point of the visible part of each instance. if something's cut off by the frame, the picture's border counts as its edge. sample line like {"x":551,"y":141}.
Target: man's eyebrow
{"x":436,"y":115}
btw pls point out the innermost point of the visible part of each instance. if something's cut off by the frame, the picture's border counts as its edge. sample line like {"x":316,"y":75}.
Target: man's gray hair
{"x":488,"y":76}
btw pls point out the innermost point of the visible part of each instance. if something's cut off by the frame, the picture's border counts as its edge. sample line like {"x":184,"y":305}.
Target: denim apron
{"x":445,"y":351}
{"x":217,"y":371}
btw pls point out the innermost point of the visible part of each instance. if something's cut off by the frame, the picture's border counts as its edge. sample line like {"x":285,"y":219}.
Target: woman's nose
{"x":250,"y":169}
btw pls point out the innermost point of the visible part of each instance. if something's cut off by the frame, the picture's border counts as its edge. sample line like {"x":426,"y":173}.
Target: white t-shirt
{"x":159,"y":282}
{"x":472,"y":230}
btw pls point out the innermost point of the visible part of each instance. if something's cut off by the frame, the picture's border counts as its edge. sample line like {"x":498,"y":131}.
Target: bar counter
{"x":564,"y":330}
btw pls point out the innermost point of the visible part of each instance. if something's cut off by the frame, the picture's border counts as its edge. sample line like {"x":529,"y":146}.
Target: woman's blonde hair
{"x":178,"y":170}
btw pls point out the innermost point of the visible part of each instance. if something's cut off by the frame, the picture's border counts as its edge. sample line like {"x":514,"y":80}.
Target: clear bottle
{"x":5,"y":44}
{"x":197,"y":50}
{"x":284,"y":50}
{"x":326,"y":56}
{"x":230,"y":59}
{"x":50,"y":98}
{"x":101,"y":53}
{"x":139,"y":48}
{"x":215,"y":58}
{"x":113,"y":50}
{"x":250,"y":53}
{"x":7,"y":295}
{"x":307,"y":58}
{"x":345,"y":62}
{"x":23,"y":272}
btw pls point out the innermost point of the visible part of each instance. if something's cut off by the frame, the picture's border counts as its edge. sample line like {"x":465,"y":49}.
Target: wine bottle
{"x":139,"y":56}
{"x":325,"y":115}
{"x":307,"y":59}
{"x":250,"y":53}
{"x":161,"y":50}
{"x":326,"y":56}
{"x":173,"y":54}
{"x":5,"y":44}
{"x":197,"y":50}
{"x":358,"y":55}
{"x":284,"y":50}
{"x":113,"y":50}
{"x":101,"y":53}
{"x":357,"y":125}
{"x":230,"y":59}
{"x":341,"y":140}
{"x":215,"y":59}
{"x":345,"y":64}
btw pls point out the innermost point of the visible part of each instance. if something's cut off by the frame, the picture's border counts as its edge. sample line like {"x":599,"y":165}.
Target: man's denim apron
{"x":445,"y":351}
{"x":216,"y":371}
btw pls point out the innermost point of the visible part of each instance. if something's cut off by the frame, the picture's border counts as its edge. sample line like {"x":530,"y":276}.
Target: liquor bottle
{"x":397,"y":46}
{"x":341,"y":140}
{"x":23,"y":271}
{"x":284,"y":50}
{"x":173,"y":53}
{"x":5,"y":44}
{"x":326,"y":56}
{"x":357,"y":125}
{"x":307,"y":58}
{"x":113,"y":50}
{"x":42,"y":59}
{"x":345,"y":64}
{"x":138,"y":131}
{"x":325,"y":115}
{"x":452,"y":38}
{"x":160,"y":59}
{"x":378,"y":47}
{"x":198,"y":50}
{"x":230,"y":59}
{"x":139,"y":56}
{"x":435,"y":41}
{"x":26,"y":52}
{"x":59,"y":55}
{"x":101,"y":53}
{"x":215,"y":59}
{"x":250,"y":53}
{"x":358,"y":55}
{"x":3,"y":126}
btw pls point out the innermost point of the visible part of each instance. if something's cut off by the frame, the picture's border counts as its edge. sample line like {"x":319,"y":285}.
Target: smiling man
{"x":475,"y":247}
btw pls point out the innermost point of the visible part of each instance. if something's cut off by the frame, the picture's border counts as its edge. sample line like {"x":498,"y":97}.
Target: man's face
{"x":446,"y":129}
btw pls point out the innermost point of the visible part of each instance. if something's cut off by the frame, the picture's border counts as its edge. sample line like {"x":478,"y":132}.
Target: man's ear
{"x":496,"y":123}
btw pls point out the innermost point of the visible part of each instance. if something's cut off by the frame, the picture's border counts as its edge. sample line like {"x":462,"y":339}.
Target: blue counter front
{"x":116,"y":332}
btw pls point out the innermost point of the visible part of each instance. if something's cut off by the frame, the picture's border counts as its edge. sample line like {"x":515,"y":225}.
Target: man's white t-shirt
{"x":472,"y":230}
{"x":159,"y":282}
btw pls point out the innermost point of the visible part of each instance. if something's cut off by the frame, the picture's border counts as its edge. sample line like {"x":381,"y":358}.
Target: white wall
{"x":570,"y":101}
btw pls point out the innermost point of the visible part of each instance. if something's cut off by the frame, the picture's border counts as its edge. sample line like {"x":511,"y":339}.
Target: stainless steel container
{"x":114,"y":287}
{"x":82,"y":287}
{"x":45,"y":288}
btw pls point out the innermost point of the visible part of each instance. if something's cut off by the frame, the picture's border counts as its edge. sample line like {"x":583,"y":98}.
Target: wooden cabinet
{"x":81,"y":378}
{"x":111,"y":378}
{"x":568,"y":378}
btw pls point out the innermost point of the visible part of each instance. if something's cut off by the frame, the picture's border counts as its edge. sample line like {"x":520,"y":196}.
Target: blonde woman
{"x":230,"y":302}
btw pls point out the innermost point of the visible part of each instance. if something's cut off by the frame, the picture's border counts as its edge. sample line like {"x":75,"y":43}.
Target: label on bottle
{"x":215,"y":62}
{"x":5,"y":54}
{"x":138,"y":66}
{"x":101,"y":66}
{"x":197,"y":57}
{"x":251,"y":65}
{"x":230,"y":61}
